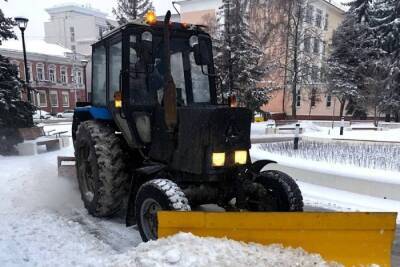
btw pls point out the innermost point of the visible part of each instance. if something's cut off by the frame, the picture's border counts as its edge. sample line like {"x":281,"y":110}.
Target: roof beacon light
{"x":151,"y":17}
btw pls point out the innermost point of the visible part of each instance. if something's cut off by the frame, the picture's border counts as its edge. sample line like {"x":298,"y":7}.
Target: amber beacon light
{"x":151,"y":17}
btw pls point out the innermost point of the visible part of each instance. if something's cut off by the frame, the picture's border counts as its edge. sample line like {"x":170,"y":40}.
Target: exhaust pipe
{"x":170,"y":109}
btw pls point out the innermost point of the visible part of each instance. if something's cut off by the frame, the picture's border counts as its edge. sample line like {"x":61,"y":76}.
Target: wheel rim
{"x":148,"y":218}
{"x":85,"y":170}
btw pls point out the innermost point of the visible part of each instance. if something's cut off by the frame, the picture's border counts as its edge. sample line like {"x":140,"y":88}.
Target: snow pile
{"x":186,"y":250}
{"x":309,"y":126}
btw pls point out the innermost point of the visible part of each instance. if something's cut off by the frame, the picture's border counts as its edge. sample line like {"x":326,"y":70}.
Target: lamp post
{"x":84,"y":62}
{"x":22,"y":24}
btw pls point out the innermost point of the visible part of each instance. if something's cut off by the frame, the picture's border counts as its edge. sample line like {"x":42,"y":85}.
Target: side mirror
{"x":147,"y":52}
{"x":147,"y":48}
{"x":202,"y":49}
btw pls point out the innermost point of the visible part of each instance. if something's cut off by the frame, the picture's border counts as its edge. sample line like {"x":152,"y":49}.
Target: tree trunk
{"x":342,"y":105}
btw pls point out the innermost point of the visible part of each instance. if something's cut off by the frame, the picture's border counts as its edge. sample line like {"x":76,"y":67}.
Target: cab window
{"x":114,"y":66}
{"x":99,"y":76}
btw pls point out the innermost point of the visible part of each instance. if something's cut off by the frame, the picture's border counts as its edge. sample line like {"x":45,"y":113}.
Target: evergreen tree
{"x":387,"y":27}
{"x":14,"y":113}
{"x":238,"y":59}
{"x":342,"y":64}
{"x":357,"y":69}
{"x":128,"y":10}
{"x":361,"y":10}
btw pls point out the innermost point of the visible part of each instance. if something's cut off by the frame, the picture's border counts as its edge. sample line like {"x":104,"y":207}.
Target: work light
{"x":241,"y":157}
{"x":218,"y":159}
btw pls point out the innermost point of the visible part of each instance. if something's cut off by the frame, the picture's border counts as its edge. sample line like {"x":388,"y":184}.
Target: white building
{"x":75,"y":27}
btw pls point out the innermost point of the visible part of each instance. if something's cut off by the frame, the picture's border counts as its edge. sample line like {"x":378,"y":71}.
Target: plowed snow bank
{"x":186,"y":250}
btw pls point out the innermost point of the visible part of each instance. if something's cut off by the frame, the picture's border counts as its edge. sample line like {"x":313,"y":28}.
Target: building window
{"x":307,"y":44}
{"x":316,"y":46}
{"x":63,"y":75}
{"x":53,"y":99}
{"x":315,"y":74}
{"x":65,"y":99}
{"x":52,"y":74}
{"x":326,"y":21}
{"x":313,"y":97}
{"x":40,"y":72}
{"x":79,"y":77}
{"x":30,"y":72}
{"x":318,"y":18}
{"x":42,"y":99}
{"x":72,"y":33}
{"x":329,"y":100}
{"x":102,"y":30}
{"x":298,"y":98}
{"x":309,"y":14}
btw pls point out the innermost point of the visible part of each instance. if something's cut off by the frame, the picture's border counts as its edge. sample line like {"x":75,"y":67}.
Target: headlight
{"x":218,"y":159}
{"x":241,"y":157}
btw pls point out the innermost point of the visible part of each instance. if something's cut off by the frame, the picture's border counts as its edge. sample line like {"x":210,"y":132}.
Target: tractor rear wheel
{"x":154,"y":196}
{"x":100,"y":163}
{"x":278,"y":192}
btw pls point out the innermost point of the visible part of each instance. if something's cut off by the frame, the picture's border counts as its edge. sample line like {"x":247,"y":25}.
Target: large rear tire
{"x":102,"y":174}
{"x":153,"y":196}
{"x":280,"y":193}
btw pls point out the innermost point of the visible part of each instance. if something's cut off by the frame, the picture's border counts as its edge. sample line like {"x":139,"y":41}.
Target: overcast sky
{"x":34,"y":10}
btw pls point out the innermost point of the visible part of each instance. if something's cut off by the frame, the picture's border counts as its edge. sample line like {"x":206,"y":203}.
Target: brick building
{"x":57,"y":77}
{"x":324,"y":15}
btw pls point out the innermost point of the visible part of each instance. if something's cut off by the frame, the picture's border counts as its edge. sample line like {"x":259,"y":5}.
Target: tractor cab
{"x":156,"y":82}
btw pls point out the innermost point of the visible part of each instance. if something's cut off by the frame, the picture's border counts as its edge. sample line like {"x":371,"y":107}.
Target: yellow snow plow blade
{"x":352,"y":239}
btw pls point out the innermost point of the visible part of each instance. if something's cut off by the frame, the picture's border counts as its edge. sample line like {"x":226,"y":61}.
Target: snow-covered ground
{"x":327,"y":197}
{"x":312,"y":129}
{"x":43,"y":223}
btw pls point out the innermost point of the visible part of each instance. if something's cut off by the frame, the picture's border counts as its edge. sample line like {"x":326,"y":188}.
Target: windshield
{"x":147,"y":84}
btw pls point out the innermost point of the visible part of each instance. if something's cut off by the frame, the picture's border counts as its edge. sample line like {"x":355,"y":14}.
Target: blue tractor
{"x":154,"y":137}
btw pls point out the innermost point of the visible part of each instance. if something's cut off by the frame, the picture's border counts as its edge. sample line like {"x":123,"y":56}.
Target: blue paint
{"x":97,"y":113}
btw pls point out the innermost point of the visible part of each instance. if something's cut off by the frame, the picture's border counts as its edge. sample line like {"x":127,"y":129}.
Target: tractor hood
{"x":201,"y":131}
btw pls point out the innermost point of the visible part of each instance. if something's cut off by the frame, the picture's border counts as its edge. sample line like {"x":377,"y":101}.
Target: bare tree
{"x":268,"y":26}
{"x":128,"y":10}
{"x":305,"y":48}
{"x":211,"y":23}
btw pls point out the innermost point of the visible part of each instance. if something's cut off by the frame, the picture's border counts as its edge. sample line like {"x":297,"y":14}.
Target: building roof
{"x":72,"y":7}
{"x":36,"y":46}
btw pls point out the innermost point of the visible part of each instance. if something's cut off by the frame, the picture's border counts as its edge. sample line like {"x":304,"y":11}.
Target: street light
{"x":22,"y":24}
{"x":84,"y":62}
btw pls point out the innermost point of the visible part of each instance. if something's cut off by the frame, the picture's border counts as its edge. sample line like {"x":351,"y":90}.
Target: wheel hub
{"x":85,"y":170}
{"x":148,"y":213}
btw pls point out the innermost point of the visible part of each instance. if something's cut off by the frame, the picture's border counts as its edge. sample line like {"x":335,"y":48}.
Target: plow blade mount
{"x":352,"y":239}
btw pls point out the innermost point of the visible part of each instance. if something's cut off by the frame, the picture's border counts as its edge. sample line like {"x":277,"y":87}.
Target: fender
{"x":141,"y":176}
{"x":257,"y":166}
{"x":84,"y":113}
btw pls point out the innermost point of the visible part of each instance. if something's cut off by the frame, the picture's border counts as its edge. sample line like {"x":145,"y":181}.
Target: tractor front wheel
{"x":154,"y":196}
{"x":276,"y":191}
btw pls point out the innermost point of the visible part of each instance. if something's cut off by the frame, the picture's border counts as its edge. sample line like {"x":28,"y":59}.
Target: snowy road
{"x":44,"y":223}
